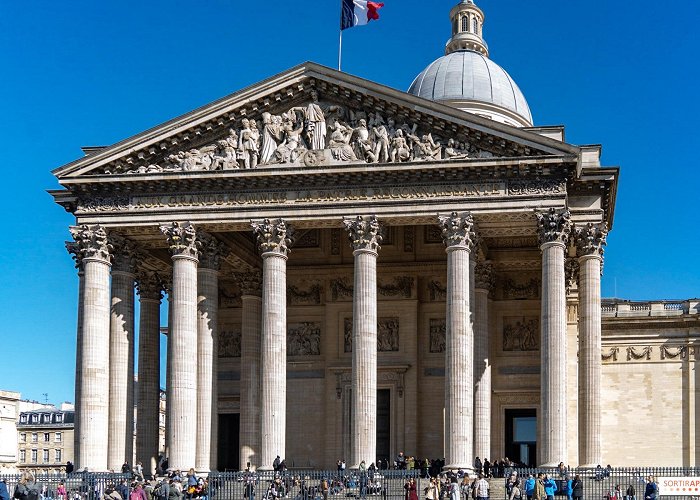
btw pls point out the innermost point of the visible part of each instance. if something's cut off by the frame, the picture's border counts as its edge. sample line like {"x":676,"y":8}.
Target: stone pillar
{"x":458,"y":235}
{"x":484,"y":281}
{"x":121,"y":354}
{"x":74,"y":249}
{"x":150,"y":290}
{"x":251,"y":289}
{"x":554,"y":229}
{"x":207,"y":338}
{"x":182,"y":426}
{"x":273,"y":241}
{"x":590,"y":240}
{"x":168,"y":285}
{"x":92,"y":385}
{"x":365,"y":238}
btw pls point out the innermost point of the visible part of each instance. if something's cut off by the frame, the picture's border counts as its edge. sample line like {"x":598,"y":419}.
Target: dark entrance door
{"x":383,"y":424}
{"x":228,"y":452}
{"x":521,"y":436}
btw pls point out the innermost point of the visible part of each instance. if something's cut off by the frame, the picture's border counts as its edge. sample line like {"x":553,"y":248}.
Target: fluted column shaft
{"x":182,"y":426}
{"x":251,"y":319}
{"x":208,"y":309}
{"x":553,"y":355}
{"x":482,"y":364}
{"x":121,"y":370}
{"x":74,"y":250}
{"x":148,"y":422}
{"x":459,"y":237}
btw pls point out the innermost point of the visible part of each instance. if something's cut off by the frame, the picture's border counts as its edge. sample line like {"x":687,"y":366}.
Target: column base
{"x":463,"y":467}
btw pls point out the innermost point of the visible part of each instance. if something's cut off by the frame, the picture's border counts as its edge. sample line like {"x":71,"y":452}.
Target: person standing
{"x":539,"y":492}
{"x":478,"y":466}
{"x":530,"y":486}
{"x":550,"y":487}
{"x":631,"y":493}
{"x":577,"y":488}
{"x":482,"y":488}
{"x":4,"y":493}
{"x":651,"y":491}
{"x":515,"y":492}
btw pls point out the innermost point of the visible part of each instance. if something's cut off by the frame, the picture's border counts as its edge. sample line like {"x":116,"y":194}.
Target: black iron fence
{"x":616,"y":483}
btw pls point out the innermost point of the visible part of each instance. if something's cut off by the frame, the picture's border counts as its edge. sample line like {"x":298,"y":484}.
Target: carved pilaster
{"x":485,"y":277}
{"x":211,"y":251}
{"x":250,"y":283}
{"x":273,"y":236}
{"x":458,"y":231}
{"x":124,"y":254}
{"x":182,"y":239}
{"x":364,"y":233}
{"x":553,"y":226}
{"x":590,"y":239}
{"x":92,"y":243}
{"x":149,"y":285}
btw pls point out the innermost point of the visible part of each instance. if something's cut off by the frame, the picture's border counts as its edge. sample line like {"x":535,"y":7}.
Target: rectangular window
{"x":46,"y":456}
{"x":23,"y":437}
{"x":59,"y":437}
{"x":59,"y":418}
{"x":47,"y":437}
{"x":23,"y":419}
{"x":35,"y":454}
{"x":35,"y":419}
{"x":22,"y":456}
{"x":47,"y":418}
{"x":35,"y":437}
{"x":58,"y":456}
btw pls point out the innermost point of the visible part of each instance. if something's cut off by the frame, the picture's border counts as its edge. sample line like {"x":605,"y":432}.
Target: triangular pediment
{"x":311,"y":116}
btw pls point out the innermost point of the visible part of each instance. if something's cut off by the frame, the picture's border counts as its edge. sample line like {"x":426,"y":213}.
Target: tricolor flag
{"x":358,"y":13}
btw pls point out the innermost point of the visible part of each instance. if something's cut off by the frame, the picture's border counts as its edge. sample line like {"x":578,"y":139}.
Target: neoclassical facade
{"x":350,"y":270}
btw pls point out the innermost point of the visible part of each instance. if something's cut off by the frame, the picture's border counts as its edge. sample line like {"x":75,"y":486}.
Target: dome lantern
{"x":467,"y":29}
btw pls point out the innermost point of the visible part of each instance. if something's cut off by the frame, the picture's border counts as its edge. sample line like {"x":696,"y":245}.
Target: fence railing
{"x":85,"y":486}
{"x":621,"y":483}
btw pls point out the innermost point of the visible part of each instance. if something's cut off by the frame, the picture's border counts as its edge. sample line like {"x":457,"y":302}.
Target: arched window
{"x":475,"y":25}
{"x":465,"y":23}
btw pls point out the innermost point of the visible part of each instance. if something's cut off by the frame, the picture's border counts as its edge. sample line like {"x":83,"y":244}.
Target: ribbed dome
{"x":472,"y":82}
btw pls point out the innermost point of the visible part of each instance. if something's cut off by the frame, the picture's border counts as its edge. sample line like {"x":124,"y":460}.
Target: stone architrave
{"x":211,"y":252}
{"x":274,"y":239}
{"x":365,"y":239}
{"x":590,"y":240}
{"x":182,"y":425}
{"x":459,"y":238}
{"x":121,"y":353}
{"x":554,"y":228}
{"x":484,"y":283}
{"x":74,"y":250}
{"x":150,"y":290}
{"x":92,"y":384}
{"x":251,"y":318}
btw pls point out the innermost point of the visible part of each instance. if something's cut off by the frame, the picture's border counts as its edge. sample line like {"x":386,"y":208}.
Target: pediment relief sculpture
{"x":316,"y":133}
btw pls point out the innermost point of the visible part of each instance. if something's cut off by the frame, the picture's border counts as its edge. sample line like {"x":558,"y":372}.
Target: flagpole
{"x":340,"y":50}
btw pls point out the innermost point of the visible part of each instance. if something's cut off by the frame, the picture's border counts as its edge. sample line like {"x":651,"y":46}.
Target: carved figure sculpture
{"x":292,"y":146}
{"x":340,"y":143}
{"x":364,"y":149}
{"x":400,"y":151}
{"x":314,"y":122}
{"x":454,"y":151}
{"x":271,"y":137}
{"x":248,"y":144}
{"x":429,"y":149}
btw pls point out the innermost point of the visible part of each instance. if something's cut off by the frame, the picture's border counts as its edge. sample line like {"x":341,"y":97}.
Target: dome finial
{"x":467,"y":25}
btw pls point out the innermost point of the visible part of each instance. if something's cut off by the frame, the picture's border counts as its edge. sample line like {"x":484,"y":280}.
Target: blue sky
{"x":621,"y":74}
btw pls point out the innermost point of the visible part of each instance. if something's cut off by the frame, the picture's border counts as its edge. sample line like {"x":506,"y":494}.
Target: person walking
{"x":482,"y":488}
{"x":530,"y":486}
{"x":550,"y":487}
{"x":4,"y":493}
{"x":577,"y":488}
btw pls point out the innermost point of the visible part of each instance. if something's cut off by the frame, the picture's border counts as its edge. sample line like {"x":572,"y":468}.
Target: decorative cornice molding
{"x":273,"y":236}
{"x":364,"y":233}
{"x":458,"y":230}
{"x":182,"y":239}
{"x":554,"y":226}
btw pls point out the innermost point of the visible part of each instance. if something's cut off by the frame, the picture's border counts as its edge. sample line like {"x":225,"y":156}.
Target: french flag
{"x":358,"y":13}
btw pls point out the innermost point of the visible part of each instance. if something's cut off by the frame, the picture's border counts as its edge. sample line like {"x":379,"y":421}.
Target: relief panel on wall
{"x":387,"y":335}
{"x":521,"y":333}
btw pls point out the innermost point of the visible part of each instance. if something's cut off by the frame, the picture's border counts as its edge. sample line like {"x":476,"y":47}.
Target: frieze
{"x":536,"y":187}
{"x":512,"y":289}
{"x":308,"y":296}
{"x":437,"y":291}
{"x":387,"y":335}
{"x":611,"y":355}
{"x":673,"y":352}
{"x":521,"y":333}
{"x":304,"y":339}
{"x":341,"y":289}
{"x":309,"y":239}
{"x":438,"y":330}
{"x":229,"y":344}
{"x":643,"y":353}
{"x":680,"y":352}
{"x":402,"y":286}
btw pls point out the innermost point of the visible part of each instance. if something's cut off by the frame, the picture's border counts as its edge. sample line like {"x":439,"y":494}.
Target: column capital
{"x":458,"y":230}
{"x":74,"y":250}
{"x":211,"y":251}
{"x":273,"y":236}
{"x":590,"y":239}
{"x":484,"y":276}
{"x":124,"y":253}
{"x":250,"y":283}
{"x":571,"y":270}
{"x":92,"y":243}
{"x":182,"y":239}
{"x":553,"y":226}
{"x":149,"y":285}
{"x":365,"y":233}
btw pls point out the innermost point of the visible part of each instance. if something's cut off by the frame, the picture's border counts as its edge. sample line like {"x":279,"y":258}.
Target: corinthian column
{"x":150,"y":290}
{"x":74,"y":249}
{"x":554,"y":229}
{"x":92,"y":385}
{"x":121,"y":354}
{"x":458,"y":235}
{"x":182,"y":425}
{"x":484,"y":279}
{"x":208,"y":309}
{"x":590,"y":240}
{"x":274,"y":239}
{"x":251,"y":290}
{"x":365,"y":239}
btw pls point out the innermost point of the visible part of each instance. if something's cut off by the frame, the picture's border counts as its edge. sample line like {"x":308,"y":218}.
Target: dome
{"x":470,"y":81}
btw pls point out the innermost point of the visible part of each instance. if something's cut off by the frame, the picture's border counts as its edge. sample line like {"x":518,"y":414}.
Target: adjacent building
{"x":45,"y":439}
{"x":9,"y":412}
